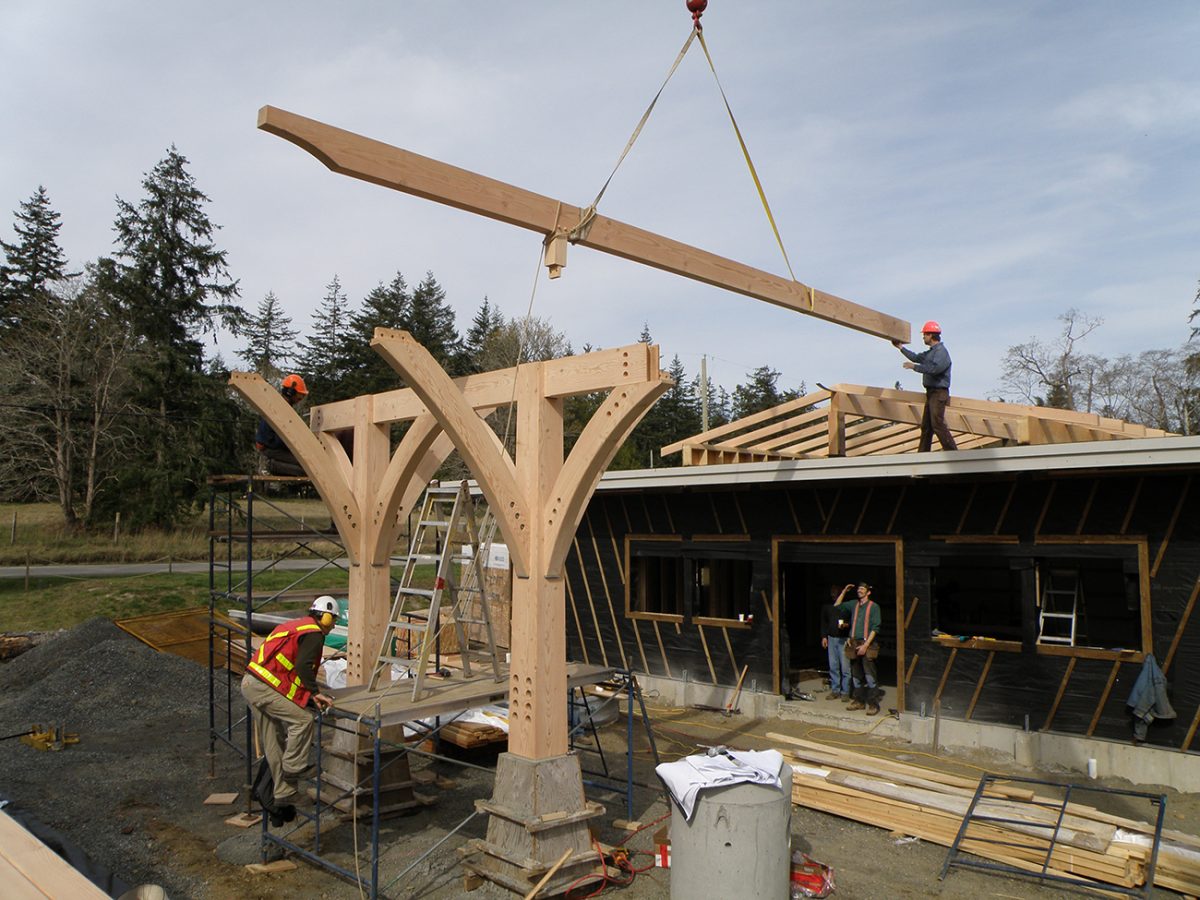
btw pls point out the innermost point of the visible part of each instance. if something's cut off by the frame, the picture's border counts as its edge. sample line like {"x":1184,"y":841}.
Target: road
{"x":116,"y":570}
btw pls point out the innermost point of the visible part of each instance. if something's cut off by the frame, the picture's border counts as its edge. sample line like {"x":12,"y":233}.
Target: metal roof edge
{"x":1132,"y":453}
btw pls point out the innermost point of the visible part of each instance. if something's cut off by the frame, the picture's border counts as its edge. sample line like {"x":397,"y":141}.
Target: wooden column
{"x":539,"y":627}
{"x":370,"y":584}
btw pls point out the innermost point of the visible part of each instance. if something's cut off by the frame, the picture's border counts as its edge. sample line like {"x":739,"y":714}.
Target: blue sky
{"x":988,"y":165}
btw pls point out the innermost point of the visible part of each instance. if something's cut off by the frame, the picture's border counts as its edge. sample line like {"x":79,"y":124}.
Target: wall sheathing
{"x":1015,"y":681}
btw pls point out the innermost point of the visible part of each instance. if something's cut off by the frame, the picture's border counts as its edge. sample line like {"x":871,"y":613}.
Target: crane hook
{"x":696,"y":8}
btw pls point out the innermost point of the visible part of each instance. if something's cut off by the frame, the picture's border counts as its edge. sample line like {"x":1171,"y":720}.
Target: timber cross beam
{"x":383,"y":164}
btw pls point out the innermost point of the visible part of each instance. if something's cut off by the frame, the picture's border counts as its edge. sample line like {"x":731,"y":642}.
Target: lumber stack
{"x":1092,"y":845}
{"x":472,"y":734}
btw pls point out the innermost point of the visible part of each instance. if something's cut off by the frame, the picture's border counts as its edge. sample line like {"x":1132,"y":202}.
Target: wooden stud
{"x":945,"y":675}
{"x":707,"y":655}
{"x":1147,"y":620}
{"x":587,"y":589}
{"x":1137,"y":492}
{"x":987,"y":665}
{"x":1087,"y":507}
{"x":1183,"y":623}
{"x":912,"y":667}
{"x":1162,"y":548}
{"x":1012,"y":489}
{"x":962,"y":520}
{"x":1062,"y":689}
{"x":729,"y":649}
{"x":716,"y":516}
{"x":862,"y":512}
{"x":1045,"y":508}
{"x":837,"y":497}
{"x":792,"y":510}
{"x":608,"y":598}
{"x":575,"y":614}
{"x":1112,"y":677}
{"x":911,"y":609}
{"x":662,"y":650}
{"x":1191,"y":732}
{"x":896,"y":510}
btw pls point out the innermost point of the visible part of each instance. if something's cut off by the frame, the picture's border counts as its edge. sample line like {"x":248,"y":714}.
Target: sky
{"x":988,"y":165}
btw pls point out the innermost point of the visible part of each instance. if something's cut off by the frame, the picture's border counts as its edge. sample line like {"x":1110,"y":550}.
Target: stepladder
{"x":1061,"y":601}
{"x":453,"y":535}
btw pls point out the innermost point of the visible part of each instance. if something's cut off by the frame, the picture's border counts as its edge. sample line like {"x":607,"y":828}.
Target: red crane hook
{"x":696,"y":8}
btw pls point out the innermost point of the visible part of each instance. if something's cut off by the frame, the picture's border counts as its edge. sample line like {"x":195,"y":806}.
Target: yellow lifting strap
{"x":762,"y":195}
{"x":586,"y":217}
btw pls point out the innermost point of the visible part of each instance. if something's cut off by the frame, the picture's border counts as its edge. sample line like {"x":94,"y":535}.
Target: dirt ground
{"x":130,"y":793}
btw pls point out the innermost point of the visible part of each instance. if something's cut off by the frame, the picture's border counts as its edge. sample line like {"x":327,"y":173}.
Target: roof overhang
{"x":1136,"y":454}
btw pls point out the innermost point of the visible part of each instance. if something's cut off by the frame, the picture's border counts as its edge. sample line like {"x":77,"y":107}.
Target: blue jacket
{"x":933,"y":364}
{"x":266,"y":438}
{"x":1149,"y":695}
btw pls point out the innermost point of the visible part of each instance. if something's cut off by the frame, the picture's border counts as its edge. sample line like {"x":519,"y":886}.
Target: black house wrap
{"x":1020,"y":582}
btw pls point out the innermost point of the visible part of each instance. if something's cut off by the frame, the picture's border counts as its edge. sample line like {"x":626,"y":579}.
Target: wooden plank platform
{"x":30,"y":869}
{"x":454,"y":695}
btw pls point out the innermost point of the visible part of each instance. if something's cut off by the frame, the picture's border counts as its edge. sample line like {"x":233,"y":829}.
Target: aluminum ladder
{"x":1060,"y":601}
{"x":447,"y":535}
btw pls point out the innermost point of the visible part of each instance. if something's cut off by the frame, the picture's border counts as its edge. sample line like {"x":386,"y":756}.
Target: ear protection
{"x":326,"y":620}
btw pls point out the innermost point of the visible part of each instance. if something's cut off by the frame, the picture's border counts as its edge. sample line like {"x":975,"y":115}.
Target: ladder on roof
{"x":449,"y":536}
{"x":1062,"y":597}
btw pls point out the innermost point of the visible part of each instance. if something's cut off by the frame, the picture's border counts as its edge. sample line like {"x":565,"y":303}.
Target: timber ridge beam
{"x":392,"y":167}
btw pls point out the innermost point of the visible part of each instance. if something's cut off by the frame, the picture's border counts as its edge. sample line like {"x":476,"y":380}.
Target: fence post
{"x":117,"y":526}
{"x":27,"y":573}
{"x":13,"y":539}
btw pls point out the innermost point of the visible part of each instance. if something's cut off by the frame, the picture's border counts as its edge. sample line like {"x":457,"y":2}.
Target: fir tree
{"x":323,"y":354}
{"x":33,"y":261}
{"x":172,"y":284}
{"x":759,"y":393}
{"x":487,"y":321}
{"x":431,"y":322}
{"x":386,"y":306}
{"x":270,"y":339}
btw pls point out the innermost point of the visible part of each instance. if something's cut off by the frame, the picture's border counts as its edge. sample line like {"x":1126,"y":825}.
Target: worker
{"x":280,"y":687}
{"x":280,"y":460}
{"x":934,"y":366}
{"x":835,"y":625}
{"x":862,"y":649}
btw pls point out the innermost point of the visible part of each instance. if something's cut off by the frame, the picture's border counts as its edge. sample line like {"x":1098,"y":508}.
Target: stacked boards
{"x":1091,"y":845}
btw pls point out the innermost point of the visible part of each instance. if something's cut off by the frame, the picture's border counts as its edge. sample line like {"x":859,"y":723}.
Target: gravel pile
{"x":142,"y":756}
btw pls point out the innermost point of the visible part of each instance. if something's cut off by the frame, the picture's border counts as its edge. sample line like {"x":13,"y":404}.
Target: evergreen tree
{"x":759,"y":393}
{"x":431,"y":322}
{"x":324,"y":353}
{"x":33,"y":261}
{"x":172,"y":284}
{"x":488,"y":320}
{"x":674,"y":416}
{"x":386,"y":306}
{"x":270,"y":339}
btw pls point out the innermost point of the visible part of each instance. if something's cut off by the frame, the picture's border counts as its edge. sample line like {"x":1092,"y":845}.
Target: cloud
{"x":1145,"y":106}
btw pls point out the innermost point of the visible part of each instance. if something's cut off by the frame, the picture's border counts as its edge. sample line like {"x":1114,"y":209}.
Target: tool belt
{"x":851,"y":649}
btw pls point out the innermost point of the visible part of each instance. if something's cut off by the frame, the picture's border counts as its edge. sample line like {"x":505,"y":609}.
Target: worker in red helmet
{"x":934,"y":366}
{"x":279,"y":459}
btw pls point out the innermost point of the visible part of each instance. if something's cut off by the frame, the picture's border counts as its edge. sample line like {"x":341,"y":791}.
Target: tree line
{"x":111,"y":403}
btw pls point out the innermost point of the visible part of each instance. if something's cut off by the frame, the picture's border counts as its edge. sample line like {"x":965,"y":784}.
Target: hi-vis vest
{"x":275,"y":661}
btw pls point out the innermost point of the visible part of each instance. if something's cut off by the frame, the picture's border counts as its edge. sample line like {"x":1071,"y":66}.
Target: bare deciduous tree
{"x":1049,"y":374}
{"x":66,"y":378}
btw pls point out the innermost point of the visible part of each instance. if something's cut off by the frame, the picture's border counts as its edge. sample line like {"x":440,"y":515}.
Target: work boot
{"x":872,"y":708}
{"x":835,"y":695}
{"x":857,"y":702}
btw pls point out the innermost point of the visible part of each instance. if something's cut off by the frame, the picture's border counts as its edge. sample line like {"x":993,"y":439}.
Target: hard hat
{"x":930,"y":327}
{"x":325,"y":604}
{"x":294,"y":383}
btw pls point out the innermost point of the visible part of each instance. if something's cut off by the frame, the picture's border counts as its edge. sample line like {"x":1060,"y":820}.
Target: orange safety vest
{"x":275,"y":662}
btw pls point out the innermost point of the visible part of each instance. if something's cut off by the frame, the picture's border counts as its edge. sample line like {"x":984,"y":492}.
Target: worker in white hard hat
{"x":280,"y":687}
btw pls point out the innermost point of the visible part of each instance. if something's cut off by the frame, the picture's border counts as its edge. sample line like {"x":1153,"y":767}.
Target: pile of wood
{"x":472,"y":734}
{"x":1091,"y":845}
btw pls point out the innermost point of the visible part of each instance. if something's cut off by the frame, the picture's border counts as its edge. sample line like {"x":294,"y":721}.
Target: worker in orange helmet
{"x":279,"y":459}
{"x":934,"y":366}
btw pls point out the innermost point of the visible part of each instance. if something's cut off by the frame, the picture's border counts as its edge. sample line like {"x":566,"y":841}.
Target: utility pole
{"x":704,"y":392}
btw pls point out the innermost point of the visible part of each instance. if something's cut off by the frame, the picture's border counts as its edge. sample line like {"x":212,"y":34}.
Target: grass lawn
{"x":53,"y":603}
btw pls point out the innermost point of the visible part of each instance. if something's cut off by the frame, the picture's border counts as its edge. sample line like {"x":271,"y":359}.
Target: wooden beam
{"x":566,"y":377}
{"x":1062,"y":689}
{"x":378,"y":163}
{"x":1182,"y":626}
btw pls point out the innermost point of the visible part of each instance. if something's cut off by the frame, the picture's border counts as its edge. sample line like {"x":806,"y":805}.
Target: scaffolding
{"x":362,"y":746}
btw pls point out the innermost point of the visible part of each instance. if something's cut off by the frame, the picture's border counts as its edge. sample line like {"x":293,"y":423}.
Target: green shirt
{"x":861,"y":625}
